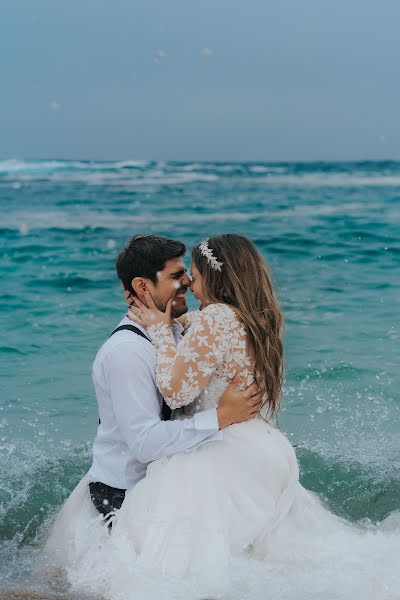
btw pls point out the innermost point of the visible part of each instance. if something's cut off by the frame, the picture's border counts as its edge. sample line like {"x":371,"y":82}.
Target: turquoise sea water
{"x":331,"y":234}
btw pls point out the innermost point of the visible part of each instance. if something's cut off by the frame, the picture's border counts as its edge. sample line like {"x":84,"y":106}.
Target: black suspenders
{"x":131,"y":328}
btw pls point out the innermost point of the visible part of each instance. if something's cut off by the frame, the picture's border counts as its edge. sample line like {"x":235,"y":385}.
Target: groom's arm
{"x":131,"y":375}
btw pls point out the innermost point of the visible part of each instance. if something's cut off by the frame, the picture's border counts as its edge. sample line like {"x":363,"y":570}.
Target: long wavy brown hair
{"x":245,"y":284}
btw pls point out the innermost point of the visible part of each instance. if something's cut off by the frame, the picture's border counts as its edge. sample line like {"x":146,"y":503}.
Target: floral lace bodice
{"x":195,"y":372}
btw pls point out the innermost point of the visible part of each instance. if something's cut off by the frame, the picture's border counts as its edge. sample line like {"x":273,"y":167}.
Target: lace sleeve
{"x":190,"y":319}
{"x":184,"y":370}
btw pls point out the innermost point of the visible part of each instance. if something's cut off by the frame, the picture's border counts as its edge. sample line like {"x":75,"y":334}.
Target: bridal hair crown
{"x":206,"y":251}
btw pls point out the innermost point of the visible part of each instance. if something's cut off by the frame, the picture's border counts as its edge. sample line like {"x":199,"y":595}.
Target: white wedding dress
{"x":228,"y":519}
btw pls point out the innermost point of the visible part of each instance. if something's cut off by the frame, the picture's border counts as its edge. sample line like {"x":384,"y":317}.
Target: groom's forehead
{"x":173,"y":267}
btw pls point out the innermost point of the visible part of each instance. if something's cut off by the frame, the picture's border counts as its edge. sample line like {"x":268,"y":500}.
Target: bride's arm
{"x":188,"y":319}
{"x":184,"y":370}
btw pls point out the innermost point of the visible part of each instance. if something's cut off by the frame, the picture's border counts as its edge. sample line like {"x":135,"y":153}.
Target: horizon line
{"x":203,"y":161}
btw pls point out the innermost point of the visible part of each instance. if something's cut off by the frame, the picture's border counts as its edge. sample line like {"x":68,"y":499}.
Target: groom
{"x":134,"y":425}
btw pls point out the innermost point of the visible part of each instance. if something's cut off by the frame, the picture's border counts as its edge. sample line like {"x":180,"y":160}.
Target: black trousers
{"x":106,"y":499}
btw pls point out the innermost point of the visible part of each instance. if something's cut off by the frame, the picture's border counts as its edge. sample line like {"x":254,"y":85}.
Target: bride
{"x":227,"y":497}
{"x":197,"y":513}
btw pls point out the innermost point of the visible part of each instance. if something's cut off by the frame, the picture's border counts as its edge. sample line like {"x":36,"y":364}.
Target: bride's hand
{"x":149,"y":315}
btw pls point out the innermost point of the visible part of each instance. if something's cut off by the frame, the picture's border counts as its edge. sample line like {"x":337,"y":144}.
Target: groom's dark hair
{"x":144,"y":256}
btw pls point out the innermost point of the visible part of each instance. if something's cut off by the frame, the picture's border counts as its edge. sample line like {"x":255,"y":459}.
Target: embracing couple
{"x":179,"y":496}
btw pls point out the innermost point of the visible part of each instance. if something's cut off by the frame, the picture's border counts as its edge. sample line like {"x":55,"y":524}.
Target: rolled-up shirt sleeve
{"x":136,"y":404}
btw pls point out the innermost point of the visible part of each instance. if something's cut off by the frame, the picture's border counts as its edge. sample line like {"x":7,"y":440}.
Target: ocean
{"x":331,"y":235}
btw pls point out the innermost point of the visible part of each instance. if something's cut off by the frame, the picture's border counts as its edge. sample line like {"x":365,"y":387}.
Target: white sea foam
{"x":14,"y":166}
{"x":138,"y":172}
{"x":341,"y":431}
{"x":102,"y":175}
{"x":331,"y":180}
{"x":60,"y":218}
{"x":123,"y":164}
{"x":24,"y":229}
{"x":192,"y":167}
{"x":266,"y":169}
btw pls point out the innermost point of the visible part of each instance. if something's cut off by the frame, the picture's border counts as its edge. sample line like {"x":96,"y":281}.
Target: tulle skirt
{"x":229,"y":519}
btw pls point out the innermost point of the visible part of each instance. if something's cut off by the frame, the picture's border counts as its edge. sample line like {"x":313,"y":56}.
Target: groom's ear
{"x":139,"y":286}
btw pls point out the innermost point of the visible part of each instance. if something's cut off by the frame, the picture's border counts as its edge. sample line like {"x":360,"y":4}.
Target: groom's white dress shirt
{"x":131,"y":433}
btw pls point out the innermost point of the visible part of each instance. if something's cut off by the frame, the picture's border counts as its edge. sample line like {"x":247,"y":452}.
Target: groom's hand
{"x":236,"y":406}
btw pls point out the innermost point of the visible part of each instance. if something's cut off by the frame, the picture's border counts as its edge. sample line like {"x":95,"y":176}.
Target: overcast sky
{"x":200,"y":80}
